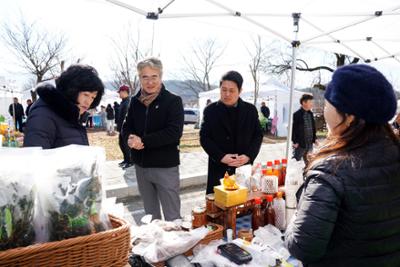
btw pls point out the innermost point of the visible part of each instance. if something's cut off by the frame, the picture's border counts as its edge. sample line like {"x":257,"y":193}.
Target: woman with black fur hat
{"x":55,"y":120}
{"x":349,"y":208}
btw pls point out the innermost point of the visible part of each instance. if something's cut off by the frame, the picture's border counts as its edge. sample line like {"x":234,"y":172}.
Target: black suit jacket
{"x":160,"y":126}
{"x":218,"y":138}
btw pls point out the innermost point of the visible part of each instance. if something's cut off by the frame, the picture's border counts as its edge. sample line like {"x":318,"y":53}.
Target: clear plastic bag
{"x":17,"y":197}
{"x":156,"y":244}
{"x":70,"y":194}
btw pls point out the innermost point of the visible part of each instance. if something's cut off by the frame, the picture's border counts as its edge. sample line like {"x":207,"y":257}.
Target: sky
{"x":90,"y":26}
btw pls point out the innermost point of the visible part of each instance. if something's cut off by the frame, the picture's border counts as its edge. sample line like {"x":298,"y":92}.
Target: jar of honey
{"x":199,"y":217}
{"x":211,"y":207}
{"x":245,"y":234}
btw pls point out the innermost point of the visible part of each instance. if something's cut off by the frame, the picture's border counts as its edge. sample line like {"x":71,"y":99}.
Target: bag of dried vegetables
{"x":17,"y":197}
{"x":70,"y":198}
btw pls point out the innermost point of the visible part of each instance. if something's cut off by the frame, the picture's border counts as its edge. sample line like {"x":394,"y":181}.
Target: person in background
{"x":54,"y":119}
{"x":155,"y":125}
{"x":304,"y":133}
{"x":348,"y":213}
{"x":208,"y":102}
{"x":19,"y":114}
{"x":89,"y":118}
{"x":122,"y":136}
{"x":264,"y":110}
{"x":396,"y":125}
{"x":28,"y":107}
{"x":116,"y":112}
{"x":103,"y":117}
{"x":230,"y":132}
{"x":110,"y":119}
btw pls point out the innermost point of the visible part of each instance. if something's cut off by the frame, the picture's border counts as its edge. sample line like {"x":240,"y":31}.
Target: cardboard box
{"x":229,"y":198}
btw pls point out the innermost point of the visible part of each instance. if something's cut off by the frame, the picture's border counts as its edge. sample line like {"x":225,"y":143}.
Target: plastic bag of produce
{"x":17,"y":196}
{"x":70,"y":194}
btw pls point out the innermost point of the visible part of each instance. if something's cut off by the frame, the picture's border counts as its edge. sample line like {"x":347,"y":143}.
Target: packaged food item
{"x":70,"y":195}
{"x":280,"y":211}
{"x":199,"y":217}
{"x":17,"y":197}
{"x":269,"y":213}
{"x":256,"y":215}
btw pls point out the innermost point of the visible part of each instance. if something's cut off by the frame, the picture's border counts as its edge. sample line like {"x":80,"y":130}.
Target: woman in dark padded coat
{"x":55,"y":120}
{"x":349,"y":208}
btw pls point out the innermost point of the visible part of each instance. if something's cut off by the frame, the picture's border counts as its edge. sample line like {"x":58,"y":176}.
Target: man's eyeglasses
{"x":149,"y":78}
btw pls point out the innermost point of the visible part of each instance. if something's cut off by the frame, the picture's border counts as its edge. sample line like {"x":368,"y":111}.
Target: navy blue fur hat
{"x":362,"y":91}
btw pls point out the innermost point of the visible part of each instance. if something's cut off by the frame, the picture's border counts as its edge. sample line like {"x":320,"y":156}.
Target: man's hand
{"x":240,"y":161}
{"x":234,"y":160}
{"x":135,"y":142}
{"x":229,"y":159}
{"x":295,"y":145}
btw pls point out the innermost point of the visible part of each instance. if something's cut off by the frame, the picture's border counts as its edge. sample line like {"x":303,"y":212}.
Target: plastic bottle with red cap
{"x":283,"y":171}
{"x":256,"y":217}
{"x":269,"y":214}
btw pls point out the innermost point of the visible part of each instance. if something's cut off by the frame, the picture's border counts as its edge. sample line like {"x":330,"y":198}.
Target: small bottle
{"x":283,"y":171}
{"x":280,"y":211}
{"x":269,"y":167}
{"x":269,"y":214}
{"x":278,"y":168}
{"x":256,"y":218}
{"x":270,"y":181}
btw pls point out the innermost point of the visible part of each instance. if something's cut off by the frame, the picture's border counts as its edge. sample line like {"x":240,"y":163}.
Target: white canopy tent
{"x":366,"y":29}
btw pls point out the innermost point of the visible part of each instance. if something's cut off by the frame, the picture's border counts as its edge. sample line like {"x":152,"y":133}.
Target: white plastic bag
{"x":155,"y":244}
{"x":17,"y":196}
{"x":293,"y":181}
{"x":70,"y":193}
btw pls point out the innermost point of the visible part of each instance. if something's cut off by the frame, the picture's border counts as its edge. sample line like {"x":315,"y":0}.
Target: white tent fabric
{"x":366,"y":29}
{"x":274,"y":93}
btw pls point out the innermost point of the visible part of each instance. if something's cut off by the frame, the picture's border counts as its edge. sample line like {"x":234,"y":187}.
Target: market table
{"x":229,"y":213}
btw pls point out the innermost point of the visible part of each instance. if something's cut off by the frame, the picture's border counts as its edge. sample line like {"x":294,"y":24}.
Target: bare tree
{"x":257,"y":63}
{"x":282,"y":64}
{"x":127,"y":55}
{"x":199,"y":65}
{"x":39,"y":52}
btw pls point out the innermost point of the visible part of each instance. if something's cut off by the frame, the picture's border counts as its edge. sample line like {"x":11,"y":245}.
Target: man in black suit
{"x":304,"y":132}
{"x":19,"y":113}
{"x":230,"y":133}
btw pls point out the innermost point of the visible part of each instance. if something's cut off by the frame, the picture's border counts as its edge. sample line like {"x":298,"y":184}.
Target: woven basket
{"x":108,"y":248}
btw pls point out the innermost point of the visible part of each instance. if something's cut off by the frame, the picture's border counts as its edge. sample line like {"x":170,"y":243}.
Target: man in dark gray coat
{"x":230,"y":132}
{"x":154,"y":125}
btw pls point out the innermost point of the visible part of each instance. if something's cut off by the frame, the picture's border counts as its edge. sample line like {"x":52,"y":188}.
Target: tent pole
{"x":295,"y":45}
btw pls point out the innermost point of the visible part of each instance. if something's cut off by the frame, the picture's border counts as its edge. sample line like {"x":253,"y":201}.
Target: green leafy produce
{"x":78,"y":204}
{"x":16,"y":215}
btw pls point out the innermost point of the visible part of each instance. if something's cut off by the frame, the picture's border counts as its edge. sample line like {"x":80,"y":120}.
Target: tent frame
{"x":394,"y":11}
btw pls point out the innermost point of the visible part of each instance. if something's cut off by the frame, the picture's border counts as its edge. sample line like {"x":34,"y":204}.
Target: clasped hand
{"x":235,"y":160}
{"x":135,"y":142}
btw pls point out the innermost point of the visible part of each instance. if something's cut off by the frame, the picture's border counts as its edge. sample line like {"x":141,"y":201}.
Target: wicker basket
{"x":108,"y":248}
